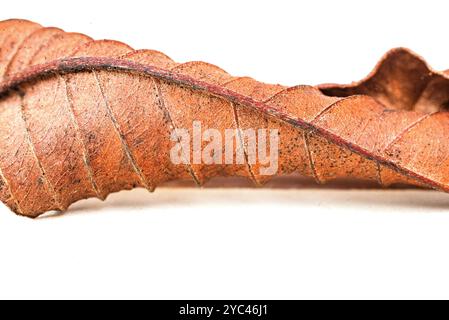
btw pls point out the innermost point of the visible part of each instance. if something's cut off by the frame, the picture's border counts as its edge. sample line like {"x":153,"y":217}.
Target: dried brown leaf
{"x":81,"y":118}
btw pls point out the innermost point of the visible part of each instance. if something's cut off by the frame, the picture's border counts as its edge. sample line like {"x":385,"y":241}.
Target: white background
{"x":184,"y":243}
